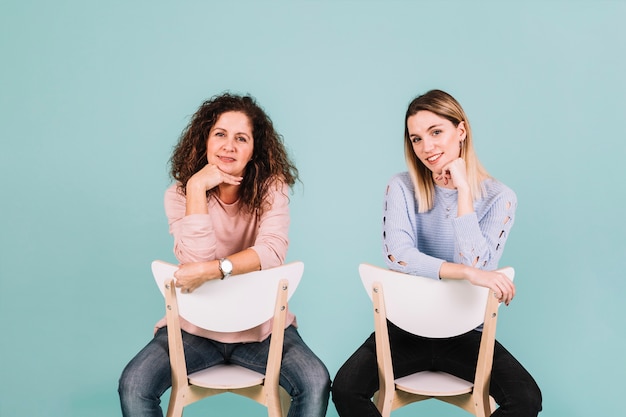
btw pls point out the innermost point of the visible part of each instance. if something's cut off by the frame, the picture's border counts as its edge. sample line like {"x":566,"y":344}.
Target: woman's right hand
{"x":209,"y":177}
{"x":502,"y":287}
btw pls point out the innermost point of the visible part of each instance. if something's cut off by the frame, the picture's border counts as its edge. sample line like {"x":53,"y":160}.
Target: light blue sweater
{"x":418,"y":243}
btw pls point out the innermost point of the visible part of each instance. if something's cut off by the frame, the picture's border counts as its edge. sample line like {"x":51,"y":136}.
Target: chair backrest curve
{"x":237,"y":303}
{"x":429,"y":307}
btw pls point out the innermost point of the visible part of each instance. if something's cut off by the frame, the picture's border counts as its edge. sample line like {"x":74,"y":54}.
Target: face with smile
{"x":230,"y":143}
{"x":435,"y":140}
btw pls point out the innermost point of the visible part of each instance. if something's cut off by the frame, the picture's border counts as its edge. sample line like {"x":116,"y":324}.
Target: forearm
{"x":450,"y":270}
{"x":192,"y":275}
{"x":245,"y":261}
{"x":465,"y":204}
{"x":196,"y":201}
{"x":501,"y":285}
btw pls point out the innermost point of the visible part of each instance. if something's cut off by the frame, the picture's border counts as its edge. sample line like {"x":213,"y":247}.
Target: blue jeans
{"x":148,"y":375}
{"x":513,"y":388}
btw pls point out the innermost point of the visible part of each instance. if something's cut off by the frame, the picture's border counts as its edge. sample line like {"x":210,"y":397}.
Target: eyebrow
{"x":430,"y":128}
{"x":226,"y":130}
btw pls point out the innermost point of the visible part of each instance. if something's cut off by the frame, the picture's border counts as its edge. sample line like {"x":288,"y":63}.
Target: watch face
{"x":226,"y":266}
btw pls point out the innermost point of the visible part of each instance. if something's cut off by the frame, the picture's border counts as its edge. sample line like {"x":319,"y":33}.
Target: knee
{"x":532,"y":399}
{"x":129,"y":384}
{"x":317,"y":380}
{"x":526,"y":400}
{"x":308,"y":384}
{"x":344,"y":387}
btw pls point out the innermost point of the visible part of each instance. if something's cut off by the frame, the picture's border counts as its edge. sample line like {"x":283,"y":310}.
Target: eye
{"x":415,"y":139}
{"x":436,"y":132}
{"x":242,"y":139}
{"x":219,"y":134}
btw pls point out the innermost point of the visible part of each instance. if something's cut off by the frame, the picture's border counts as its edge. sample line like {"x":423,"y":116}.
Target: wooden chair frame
{"x":262,"y":388}
{"x":396,"y":393}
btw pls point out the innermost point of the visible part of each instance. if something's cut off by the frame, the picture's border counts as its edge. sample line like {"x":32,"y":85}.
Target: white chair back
{"x":429,"y":307}
{"x":237,"y":303}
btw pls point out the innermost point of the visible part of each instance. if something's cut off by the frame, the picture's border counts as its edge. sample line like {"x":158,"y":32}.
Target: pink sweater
{"x":223,"y":232}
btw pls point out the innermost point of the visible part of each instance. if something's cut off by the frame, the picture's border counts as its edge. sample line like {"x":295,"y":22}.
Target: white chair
{"x":435,"y":309}
{"x":234,"y":304}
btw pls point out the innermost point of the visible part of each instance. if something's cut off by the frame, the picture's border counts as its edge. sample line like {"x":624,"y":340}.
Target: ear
{"x":461,"y":131}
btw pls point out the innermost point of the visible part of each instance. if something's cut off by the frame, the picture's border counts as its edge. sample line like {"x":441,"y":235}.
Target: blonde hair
{"x":443,"y":105}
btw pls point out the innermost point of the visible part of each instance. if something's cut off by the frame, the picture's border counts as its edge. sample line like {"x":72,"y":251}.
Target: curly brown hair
{"x":270,"y":164}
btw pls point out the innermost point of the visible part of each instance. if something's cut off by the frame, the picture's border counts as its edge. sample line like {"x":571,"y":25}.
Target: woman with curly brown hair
{"x":228,"y":213}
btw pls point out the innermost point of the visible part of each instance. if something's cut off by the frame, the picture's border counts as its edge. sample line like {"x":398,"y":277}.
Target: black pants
{"x":513,"y":388}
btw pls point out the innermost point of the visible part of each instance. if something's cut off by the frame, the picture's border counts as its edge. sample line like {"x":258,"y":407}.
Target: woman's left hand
{"x":454,"y":173}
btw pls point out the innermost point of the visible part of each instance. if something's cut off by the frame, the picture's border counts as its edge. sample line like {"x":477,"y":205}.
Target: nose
{"x":427,"y":144}
{"x":229,"y":144}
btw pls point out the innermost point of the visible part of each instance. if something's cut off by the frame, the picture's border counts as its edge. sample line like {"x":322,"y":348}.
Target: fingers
{"x":185,"y":288}
{"x":189,"y":277}
{"x":504,"y":289}
{"x":229,"y":179}
{"x":444,"y":176}
{"x":454,"y":173}
{"x":221,"y":176}
{"x":182,"y":282}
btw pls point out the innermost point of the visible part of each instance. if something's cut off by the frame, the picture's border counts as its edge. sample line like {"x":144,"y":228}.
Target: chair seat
{"x":226,"y":377}
{"x":438,"y":384}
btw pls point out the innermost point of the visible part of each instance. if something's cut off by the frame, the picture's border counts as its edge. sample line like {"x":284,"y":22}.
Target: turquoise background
{"x":93,"y":96}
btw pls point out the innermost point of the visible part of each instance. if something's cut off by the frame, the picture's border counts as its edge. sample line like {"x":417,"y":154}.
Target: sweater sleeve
{"x":272,"y":238}
{"x":480,"y":236}
{"x":400,"y":239}
{"x":194,"y":238}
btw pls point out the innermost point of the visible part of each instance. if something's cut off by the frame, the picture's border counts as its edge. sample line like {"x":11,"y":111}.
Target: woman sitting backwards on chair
{"x":444,"y":218}
{"x":228,"y":212}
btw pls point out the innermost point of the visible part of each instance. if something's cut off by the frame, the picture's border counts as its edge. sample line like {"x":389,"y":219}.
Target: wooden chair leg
{"x":176,"y":405}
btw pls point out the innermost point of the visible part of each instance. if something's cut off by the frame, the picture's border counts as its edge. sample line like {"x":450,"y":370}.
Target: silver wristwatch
{"x":226,"y":267}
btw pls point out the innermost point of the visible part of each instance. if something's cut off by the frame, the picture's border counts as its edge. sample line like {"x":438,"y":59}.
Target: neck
{"x":228,"y":193}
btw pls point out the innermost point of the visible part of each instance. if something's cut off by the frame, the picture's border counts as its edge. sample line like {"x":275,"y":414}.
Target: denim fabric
{"x":148,"y":374}
{"x":513,"y":388}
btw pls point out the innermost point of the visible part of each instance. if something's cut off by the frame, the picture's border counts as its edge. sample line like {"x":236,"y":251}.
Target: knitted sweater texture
{"x":419,"y":243}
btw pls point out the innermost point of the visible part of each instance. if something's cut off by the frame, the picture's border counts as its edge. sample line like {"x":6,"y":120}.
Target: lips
{"x":433,"y":159}
{"x":226,"y":159}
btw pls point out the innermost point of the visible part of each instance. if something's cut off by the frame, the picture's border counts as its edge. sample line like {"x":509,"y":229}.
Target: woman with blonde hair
{"x":445,"y":218}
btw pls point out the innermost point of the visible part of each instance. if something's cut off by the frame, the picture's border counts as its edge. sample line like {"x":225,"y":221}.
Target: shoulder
{"x":400,"y":191}
{"x":173,"y":192}
{"x":495,"y":192}
{"x":402,"y":181}
{"x":174,"y":200}
{"x":277,"y":195}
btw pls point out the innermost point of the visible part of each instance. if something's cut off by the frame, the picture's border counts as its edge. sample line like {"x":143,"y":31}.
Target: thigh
{"x":458,"y":355}
{"x":512,"y":386}
{"x":150,"y":370}
{"x":301,"y":369}
{"x":359,"y":374}
{"x":299,"y":363}
{"x":409,"y":353}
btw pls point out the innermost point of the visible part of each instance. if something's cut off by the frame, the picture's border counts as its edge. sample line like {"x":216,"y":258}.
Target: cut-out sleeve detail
{"x":400,"y":235}
{"x":419,"y":243}
{"x":482,"y":235}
